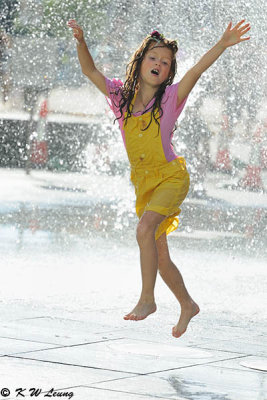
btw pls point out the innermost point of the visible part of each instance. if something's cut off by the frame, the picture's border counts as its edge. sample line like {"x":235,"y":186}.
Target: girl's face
{"x":156,"y":65}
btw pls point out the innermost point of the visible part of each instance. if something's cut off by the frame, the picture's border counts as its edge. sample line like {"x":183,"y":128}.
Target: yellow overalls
{"x":160,"y":186}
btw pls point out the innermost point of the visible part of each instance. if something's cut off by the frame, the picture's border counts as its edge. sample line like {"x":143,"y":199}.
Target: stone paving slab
{"x":199,"y":382}
{"x":243,"y":363}
{"x":11,"y":346}
{"x":20,"y":372}
{"x":235,"y":346}
{"x":129,"y":356}
{"x":200,"y":333}
{"x":55,"y":330}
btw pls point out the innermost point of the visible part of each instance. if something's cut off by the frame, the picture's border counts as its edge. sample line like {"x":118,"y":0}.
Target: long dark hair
{"x":132,"y":73}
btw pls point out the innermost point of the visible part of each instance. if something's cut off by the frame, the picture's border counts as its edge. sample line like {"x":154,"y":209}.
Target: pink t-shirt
{"x":170,"y":112}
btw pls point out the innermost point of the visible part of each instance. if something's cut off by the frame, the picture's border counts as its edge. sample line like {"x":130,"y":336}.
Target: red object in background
{"x":44,"y":109}
{"x":39,"y":152}
{"x":251,"y":228}
{"x":264,"y":158}
{"x":34,"y":225}
{"x":252,"y":179}
{"x":223,"y":160}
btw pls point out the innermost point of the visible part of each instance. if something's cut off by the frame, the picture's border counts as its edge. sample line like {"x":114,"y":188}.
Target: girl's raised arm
{"x":229,"y":38}
{"x":87,"y":63}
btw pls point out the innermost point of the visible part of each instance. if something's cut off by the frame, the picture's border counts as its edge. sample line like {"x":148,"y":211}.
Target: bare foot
{"x":141,"y":311}
{"x":187,"y":312}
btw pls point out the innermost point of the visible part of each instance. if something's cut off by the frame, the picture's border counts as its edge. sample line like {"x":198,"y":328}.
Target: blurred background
{"x":64,"y":173}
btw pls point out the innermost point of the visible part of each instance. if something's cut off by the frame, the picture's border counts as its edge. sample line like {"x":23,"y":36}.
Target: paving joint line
{"x":62,"y":347}
{"x":196,"y":365}
{"x":75,"y":365}
{"x":223,"y":351}
{"x":26,"y":340}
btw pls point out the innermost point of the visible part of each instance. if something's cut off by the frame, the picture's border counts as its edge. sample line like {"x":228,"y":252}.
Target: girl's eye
{"x":164,"y":62}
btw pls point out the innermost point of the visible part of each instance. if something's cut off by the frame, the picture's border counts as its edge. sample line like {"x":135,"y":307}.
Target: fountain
{"x":79,"y":133}
{"x":68,"y":253}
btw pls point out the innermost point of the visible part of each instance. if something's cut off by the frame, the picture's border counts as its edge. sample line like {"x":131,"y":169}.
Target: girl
{"x":147,"y":106}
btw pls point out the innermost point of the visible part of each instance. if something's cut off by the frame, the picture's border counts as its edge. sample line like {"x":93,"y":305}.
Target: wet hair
{"x":132,"y":74}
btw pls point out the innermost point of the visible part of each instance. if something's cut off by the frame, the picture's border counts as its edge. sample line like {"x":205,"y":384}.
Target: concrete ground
{"x":63,"y":297}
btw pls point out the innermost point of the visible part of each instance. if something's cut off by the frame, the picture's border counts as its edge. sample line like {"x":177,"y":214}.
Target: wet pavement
{"x":70,"y":271}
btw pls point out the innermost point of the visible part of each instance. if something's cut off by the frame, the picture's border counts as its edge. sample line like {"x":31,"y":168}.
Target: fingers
{"x":77,"y":30}
{"x":245,"y":29}
{"x":73,"y":24}
{"x":239,"y":24}
{"x":247,"y":38}
{"x":70,"y":21}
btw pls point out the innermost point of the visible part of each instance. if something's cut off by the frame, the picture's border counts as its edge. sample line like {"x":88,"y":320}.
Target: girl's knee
{"x":148,"y":224}
{"x":145,"y":229}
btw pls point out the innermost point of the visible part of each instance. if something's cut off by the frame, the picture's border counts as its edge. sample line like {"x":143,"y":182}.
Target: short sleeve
{"x":114,"y":94}
{"x":170,"y":101}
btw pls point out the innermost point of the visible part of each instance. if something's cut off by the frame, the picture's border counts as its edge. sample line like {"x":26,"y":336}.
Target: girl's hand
{"x":233,"y":36}
{"x":77,"y":30}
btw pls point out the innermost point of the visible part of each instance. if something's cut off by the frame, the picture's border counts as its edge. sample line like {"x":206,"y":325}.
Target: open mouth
{"x":155,"y":72}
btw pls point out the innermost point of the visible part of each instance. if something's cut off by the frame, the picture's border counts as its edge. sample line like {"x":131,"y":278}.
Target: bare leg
{"x":145,"y":235}
{"x":174,"y":280}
